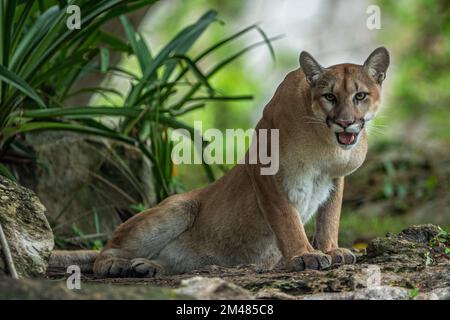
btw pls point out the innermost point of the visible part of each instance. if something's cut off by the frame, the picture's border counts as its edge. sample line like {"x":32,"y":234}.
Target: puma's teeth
{"x":346,"y":137}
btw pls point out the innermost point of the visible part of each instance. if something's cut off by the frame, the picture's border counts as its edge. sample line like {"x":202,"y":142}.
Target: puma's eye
{"x":360,"y":96}
{"x":329,"y":97}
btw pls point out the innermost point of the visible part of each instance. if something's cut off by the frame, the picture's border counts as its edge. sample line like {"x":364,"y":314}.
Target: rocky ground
{"x":414,"y":264}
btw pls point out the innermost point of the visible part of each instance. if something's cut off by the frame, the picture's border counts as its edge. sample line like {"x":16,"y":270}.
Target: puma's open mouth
{"x":346,"y":138}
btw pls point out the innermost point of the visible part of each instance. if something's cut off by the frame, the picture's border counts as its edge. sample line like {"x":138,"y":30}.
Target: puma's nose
{"x":344,"y":123}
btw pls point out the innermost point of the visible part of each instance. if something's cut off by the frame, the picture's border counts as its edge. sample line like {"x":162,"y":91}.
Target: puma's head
{"x":345,"y":96}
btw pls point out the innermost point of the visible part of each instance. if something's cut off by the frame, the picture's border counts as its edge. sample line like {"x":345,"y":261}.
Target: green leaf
{"x":76,"y":111}
{"x":97,"y":245}
{"x":96,"y":221}
{"x":99,"y":90}
{"x":114,"y":42}
{"x":215,"y":47}
{"x":413,"y":293}
{"x":178,"y":45}
{"x":104,"y":60}
{"x":187,"y":37}
{"x":21,"y":23}
{"x":137,"y":44}
{"x":216,"y":69}
{"x":139,"y":207}
{"x":268,"y":42}
{"x":7,"y":30}
{"x":40,"y":126}
{"x":224,"y":42}
{"x":4,"y":171}
{"x":195,"y":70}
{"x":18,"y":83}
{"x":239,"y":54}
{"x":32,"y":38}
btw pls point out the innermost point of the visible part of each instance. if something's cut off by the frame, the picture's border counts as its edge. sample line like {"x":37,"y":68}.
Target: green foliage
{"x":396,"y":185}
{"x":442,"y":238}
{"x":439,"y":246}
{"x":80,"y":240}
{"x":413,"y":293}
{"x":42,"y":59}
{"x":169,"y":85}
{"x":139,"y":207}
{"x":441,"y":241}
{"x":418,"y":34}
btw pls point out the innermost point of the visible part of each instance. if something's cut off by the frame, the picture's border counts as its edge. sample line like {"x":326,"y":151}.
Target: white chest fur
{"x":307,"y":190}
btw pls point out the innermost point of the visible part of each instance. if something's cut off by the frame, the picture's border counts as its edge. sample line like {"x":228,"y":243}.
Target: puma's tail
{"x":61,"y":259}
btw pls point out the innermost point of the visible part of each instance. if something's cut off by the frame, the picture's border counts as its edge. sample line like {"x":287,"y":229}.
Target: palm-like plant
{"x":40,"y":57}
{"x":169,"y":84}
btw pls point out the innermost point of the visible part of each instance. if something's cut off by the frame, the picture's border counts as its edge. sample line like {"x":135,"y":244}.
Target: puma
{"x":249,"y":218}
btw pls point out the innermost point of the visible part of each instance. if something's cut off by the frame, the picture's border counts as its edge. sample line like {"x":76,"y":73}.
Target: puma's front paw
{"x":145,"y":268}
{"x":342,"y":256}
{"x":312,"y":260}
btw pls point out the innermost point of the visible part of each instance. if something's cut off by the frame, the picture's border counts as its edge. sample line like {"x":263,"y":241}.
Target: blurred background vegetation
{"x":131,"y":79}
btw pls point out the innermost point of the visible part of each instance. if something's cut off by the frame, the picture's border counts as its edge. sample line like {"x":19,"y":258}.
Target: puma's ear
{"x":377,"y":64}
{"x":311,"y":67}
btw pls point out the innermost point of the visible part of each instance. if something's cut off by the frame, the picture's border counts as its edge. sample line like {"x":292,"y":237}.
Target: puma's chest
{"x":306,"y":190}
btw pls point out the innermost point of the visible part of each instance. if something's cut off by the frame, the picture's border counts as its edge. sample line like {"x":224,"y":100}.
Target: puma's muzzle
{"x":346,"y":131}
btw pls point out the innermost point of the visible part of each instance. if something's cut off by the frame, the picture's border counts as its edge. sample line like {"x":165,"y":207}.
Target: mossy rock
{"x":26,"y":229}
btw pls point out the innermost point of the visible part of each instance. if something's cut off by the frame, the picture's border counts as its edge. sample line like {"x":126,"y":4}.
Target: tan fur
{"x":248,"y":218}
{"x":61,"y":259}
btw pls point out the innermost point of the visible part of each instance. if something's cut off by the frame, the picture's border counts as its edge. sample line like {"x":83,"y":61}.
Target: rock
{"x":381,"y":293}
{"x":420,"y":234}
{"x":436,"y":294}
{"x":27,"y":231}
{"x":32,"y":289}
{"x":407,"y":248}
{"x":273,"y":294}
{"x":373,"y":293}
{"x":99,"y":176}
{"x":212,"y":289}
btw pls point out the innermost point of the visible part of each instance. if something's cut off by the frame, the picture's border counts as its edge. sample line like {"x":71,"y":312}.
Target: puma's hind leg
{"x":132,"y":250}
